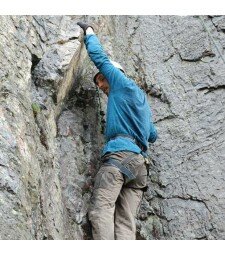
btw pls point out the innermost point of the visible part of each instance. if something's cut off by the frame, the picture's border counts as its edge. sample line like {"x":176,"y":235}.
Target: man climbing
{"x":122,"y":177}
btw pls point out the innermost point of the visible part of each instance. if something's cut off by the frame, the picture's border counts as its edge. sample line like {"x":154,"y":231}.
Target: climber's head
{"x":102,"y":82}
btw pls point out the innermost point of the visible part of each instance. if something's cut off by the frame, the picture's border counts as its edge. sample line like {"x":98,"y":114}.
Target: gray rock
{"x":52,"y":121}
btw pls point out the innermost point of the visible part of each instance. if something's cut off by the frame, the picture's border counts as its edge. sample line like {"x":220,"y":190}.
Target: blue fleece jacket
{"x":128,"y":111}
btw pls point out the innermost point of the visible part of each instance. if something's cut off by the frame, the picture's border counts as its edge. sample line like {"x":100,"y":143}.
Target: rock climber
{"x":122,"y":177}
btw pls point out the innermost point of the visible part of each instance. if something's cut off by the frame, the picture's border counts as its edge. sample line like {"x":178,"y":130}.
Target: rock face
{"x":52,"y":122}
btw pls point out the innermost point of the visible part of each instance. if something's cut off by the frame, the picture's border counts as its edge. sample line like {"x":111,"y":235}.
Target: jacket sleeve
{"x":114,"y":76}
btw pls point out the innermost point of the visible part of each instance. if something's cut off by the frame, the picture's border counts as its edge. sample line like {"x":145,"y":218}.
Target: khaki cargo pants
{"x":115,"y":202}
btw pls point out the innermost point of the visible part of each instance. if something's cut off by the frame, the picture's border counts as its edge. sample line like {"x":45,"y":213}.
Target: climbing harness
{"x":121,"y":167}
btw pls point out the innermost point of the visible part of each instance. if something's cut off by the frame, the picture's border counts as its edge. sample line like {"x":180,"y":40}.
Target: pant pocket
{"x":107,"y":178}
{"x":138,"y":167}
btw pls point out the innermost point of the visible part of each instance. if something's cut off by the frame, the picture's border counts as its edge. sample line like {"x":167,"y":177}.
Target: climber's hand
{"x":84,"y":26}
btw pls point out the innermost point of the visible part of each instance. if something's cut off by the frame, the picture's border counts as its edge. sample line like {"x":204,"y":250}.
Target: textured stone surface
{"x":52,"y":121}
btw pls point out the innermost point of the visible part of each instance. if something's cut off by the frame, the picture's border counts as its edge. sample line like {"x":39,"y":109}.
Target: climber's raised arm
{"x":111,"y":70}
